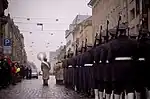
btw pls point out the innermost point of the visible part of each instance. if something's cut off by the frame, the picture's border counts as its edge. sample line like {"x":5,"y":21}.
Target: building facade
{"x":61,"y":53}
{"x":11,"y":31}
{"x":79,"y":30}
{"x":69,"y":40}
{"x":3,"y":21}
{"x":103,"y":10}
{"x":53,"y":59}
{"x":82,"y":32}
{"x":56,"y":56}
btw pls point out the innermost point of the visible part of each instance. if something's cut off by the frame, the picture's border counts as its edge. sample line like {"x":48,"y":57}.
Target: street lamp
{"x":40,"y":24}
{"x":51,"y":33}
{"x":28,"y":19}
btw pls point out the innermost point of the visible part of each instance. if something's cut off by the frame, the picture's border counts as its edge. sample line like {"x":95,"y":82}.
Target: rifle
{"x":100,"y":35}
{"x":82,"y":47}
{"x":85,"y":44}
{"x":107,"y":36}
{"x":118,"y":26}
{"x":95,"y":40}
{"x":76,"y":50}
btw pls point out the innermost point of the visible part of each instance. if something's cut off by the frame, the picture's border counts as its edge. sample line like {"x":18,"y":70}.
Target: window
{"x":124,"y":3}
{"x":132,"y":30}
{"x":130,"y":1}
{"x":132,"y":14}
{"x":137,"y":28}
{"x":137,"y":7}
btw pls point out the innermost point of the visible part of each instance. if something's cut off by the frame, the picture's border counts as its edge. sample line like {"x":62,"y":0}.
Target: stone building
{"x":83,"y":31}
{"x":53,"y":59}
{"x":56,"y":56}
{"x":61,"y":53}
{"x":3,"y":6}
{"x":69,"y":35}
{"x":12,"y":32}
{"x":69,"y":40}
{"x":3,"y":20}
{"x":103,"y":10}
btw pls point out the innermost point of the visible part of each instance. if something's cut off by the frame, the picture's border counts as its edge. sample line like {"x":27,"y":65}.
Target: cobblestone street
{"x":33,"y":89}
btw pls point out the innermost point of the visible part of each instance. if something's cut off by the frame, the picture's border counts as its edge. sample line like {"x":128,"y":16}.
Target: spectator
{"x":1,"y":71}
{"x":13,"y":71}
{"x":6,"y":72}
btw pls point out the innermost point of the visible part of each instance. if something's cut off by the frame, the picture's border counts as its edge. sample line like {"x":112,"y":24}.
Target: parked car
{"x":34,"y":73}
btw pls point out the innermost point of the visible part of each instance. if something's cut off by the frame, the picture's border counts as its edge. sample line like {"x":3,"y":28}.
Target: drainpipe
{"x":143,"y":14}
{"x":1,"y":37}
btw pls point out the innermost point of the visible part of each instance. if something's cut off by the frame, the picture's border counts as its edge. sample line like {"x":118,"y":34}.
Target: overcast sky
{"x":46,"y":12}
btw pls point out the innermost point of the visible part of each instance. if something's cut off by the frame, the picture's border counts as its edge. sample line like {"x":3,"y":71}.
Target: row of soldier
{"x":117,"y":68}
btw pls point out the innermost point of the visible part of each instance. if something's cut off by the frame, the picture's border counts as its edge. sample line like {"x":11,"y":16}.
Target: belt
{"x":107,"y":61}
{"x":69,"y":66}
{"x":123,"y":58}
{"x":88,"y":65}
{"x":99,"y":61}
{"x":78,"y":66}
{"x":141,"y":59}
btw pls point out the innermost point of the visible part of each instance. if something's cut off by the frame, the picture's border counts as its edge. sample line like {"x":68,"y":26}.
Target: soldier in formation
{"x":116,"y":67}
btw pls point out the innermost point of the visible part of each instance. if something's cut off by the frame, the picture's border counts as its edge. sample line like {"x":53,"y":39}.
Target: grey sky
{"x":45,"y":11}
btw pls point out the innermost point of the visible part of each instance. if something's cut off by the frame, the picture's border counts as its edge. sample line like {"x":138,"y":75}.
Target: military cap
{"x":104,"y":36}
{"x":144,"y":31}
{"x":79,"y":49}
{"x":112,"y":32}
{"x":89,"y":47}
{"x":133,"y":35}
{"x":122,"y":27}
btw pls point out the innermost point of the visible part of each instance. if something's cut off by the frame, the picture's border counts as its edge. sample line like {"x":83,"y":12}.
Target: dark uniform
{"x":70,"y":73}
{"x":98,"y":69}
{"x":120,"y":54}
{"x":107,"y":66}
{"x":87,"y":59}
{"x":142,"y":65}
{"x":81,"y":69}
{"x":79,"y":73}
{"x":74,"y":71}
{"x":65,"y":72}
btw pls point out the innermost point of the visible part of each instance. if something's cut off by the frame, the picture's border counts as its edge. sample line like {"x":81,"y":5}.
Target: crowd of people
{"x":12,"y":72}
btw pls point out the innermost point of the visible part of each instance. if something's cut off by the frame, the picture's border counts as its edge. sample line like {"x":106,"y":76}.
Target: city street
{"x":33,"y":89}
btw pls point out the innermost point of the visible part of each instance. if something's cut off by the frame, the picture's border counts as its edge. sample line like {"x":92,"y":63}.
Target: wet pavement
{"x":33,"y":89}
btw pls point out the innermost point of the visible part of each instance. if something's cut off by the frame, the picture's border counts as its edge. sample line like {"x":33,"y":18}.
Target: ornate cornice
{"x":93,"y":3}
